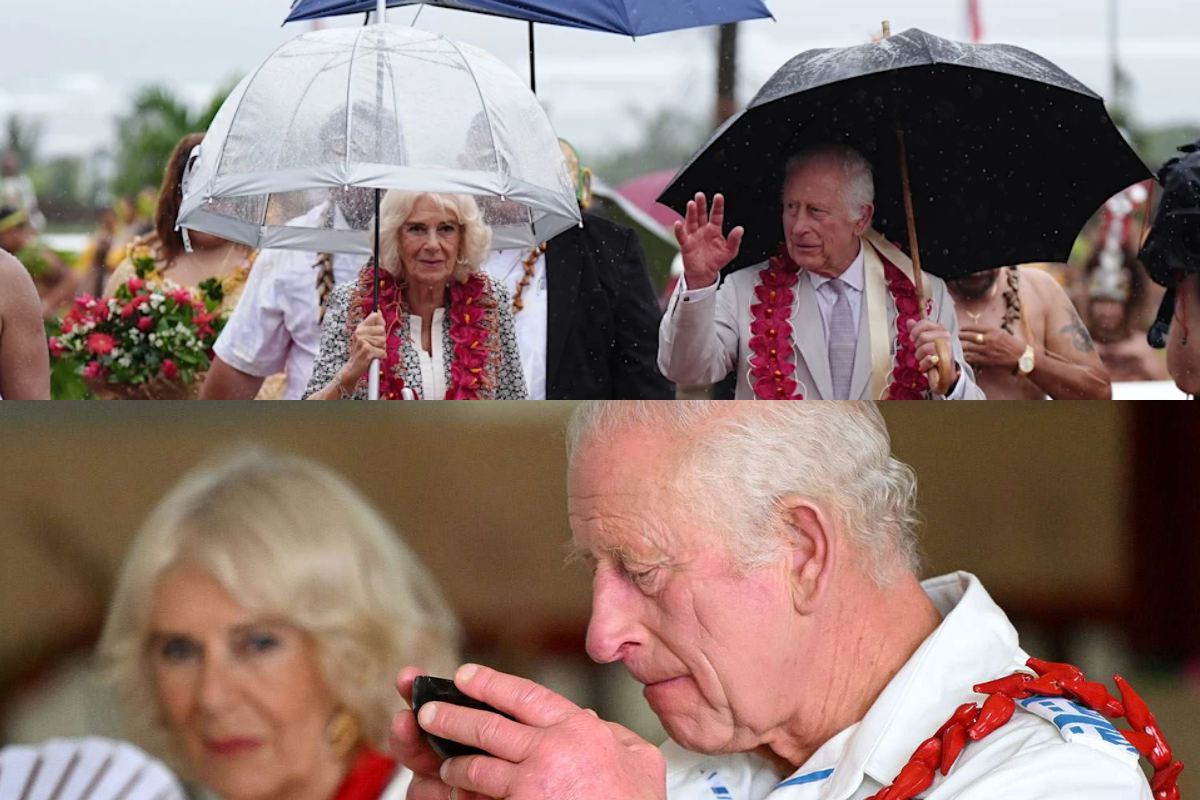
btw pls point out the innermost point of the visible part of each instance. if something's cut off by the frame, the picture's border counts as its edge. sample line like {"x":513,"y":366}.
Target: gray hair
{"x":289,"y":538}
{"x":395,"y":210}
{"x":858,"y":180}
{"x":735,"y":461}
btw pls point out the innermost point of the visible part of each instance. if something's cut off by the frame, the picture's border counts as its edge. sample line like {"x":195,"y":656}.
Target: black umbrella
{"x":1009,"y":155}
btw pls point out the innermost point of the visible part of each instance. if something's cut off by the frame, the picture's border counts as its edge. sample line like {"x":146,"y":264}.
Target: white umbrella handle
{"x":373,"y":380}
{"x":381,"y":11}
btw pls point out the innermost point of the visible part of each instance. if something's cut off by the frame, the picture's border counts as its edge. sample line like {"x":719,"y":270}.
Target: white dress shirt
{"x":1051,"y":749}
{"x":275,"y":325}
{"x":507,"y":268}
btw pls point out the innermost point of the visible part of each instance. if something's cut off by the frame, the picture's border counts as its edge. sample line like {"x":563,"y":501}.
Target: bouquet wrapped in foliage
{"x":149,"y":340}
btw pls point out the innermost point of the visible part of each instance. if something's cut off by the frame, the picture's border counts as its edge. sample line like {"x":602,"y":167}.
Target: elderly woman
{"x":443,"y":328}
{"x":256,"y":628}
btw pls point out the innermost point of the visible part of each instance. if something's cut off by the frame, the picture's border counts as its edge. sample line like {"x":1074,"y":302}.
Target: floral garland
{"x":906,"y":382}
{"x":473,"y":324}
{"x":972,"y":722}
{"x":772,"y":371}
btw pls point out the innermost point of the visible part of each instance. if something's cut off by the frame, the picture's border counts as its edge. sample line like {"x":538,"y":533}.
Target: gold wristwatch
{"x":1025,"y":362}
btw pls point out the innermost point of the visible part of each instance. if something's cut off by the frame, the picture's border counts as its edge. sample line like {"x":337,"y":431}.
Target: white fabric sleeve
{"x":256,"y":339}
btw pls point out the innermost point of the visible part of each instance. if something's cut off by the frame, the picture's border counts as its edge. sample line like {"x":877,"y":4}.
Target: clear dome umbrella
{"x":292,"y":156}
{"x":378,"y":107}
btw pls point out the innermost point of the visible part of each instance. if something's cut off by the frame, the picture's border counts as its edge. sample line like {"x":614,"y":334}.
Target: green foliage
{"x":668,"y":137}
{"x":60,"y":182}
{"x":149,"y":132}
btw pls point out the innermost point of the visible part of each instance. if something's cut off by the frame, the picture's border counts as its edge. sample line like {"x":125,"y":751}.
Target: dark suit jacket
{"x":602,"y":322}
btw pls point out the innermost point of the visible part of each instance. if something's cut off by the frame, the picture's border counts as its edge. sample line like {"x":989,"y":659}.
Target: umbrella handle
{"x":373,"y":380}
{"x":942,"y":375}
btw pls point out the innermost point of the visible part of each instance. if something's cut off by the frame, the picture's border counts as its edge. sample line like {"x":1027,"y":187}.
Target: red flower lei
{"x":772,"y":371}
{"x":472,"y":330}
{"x":906,"y":382}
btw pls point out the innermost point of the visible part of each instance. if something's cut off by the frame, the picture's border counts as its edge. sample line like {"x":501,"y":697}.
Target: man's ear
{"x":864,"y":222}
{"x":813,"y":548}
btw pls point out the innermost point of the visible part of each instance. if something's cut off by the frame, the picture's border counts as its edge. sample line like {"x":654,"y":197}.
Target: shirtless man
{"x":24,"y":359}
{"x":1125,"y":353}
{"x":1022,"y":335}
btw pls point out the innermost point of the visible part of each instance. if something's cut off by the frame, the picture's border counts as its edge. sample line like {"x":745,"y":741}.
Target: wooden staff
{"x":942,"y":375}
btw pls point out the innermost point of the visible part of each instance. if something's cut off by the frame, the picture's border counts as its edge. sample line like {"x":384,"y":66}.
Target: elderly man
{"x":851,"y":326}
{"x":1024,"y":338}
{"x":754,"y":567}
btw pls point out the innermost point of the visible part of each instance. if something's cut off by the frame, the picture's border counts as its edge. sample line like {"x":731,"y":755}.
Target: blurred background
{"x":1081,"y":520}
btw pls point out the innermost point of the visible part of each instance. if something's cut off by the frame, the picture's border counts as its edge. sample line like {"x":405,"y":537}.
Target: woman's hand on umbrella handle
{"x":702,"y":241}
{"x":367,"y":344}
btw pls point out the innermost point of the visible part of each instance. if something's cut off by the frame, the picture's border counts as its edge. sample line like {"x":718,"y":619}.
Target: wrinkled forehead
{"x":623,"y":485}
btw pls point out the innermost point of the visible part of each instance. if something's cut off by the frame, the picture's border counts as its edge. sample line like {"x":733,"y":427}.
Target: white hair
{"x":858,"y":181}
{"x":290,"y":539}
{"x":735,"y":461}
{"x":395,"y":210}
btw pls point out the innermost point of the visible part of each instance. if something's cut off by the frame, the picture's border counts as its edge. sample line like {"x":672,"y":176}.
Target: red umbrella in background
{"x":643,"y":192}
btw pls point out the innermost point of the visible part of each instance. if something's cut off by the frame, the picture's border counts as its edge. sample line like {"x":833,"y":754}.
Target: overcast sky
{"x":74,"y":63}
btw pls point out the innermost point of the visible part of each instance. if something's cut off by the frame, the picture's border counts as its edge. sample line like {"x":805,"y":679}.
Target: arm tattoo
{"x":1079,"y":334}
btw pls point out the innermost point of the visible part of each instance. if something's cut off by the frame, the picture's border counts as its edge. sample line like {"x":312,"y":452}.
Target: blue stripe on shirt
{"x":810,"y":777}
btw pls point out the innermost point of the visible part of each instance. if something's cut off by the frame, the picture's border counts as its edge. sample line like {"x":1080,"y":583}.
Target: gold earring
{"x":343,"y":732}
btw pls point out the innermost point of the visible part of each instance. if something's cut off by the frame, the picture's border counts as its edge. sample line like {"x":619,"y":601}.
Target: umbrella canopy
{"x":643,"y":191}
{"x":627,"y":17}
{"x":1009,"y":155}
{"x":380,"y":107}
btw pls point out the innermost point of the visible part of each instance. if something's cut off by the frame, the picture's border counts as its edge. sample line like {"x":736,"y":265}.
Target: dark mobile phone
{"x":427,"y":688}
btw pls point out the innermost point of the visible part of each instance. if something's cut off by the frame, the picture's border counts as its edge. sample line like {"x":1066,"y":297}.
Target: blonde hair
{"x":288,"y":538}
{"x":735,"y":461}
{"x":396,"y":208}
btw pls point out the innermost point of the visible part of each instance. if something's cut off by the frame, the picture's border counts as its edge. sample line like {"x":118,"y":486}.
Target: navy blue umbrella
{"x":627,"y":17}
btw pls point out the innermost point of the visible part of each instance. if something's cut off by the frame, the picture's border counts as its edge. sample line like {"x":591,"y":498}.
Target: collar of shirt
{"x":855,"y":275}
{"x":975,"y":642}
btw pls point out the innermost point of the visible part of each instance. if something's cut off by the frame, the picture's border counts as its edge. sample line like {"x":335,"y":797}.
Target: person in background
{"x":24,"y":359}
{"x":584,"y":308}
{"x":16,"y":189}
{"x":1024,"y":338}
{"x":256,"y":625}
{"x":1125,"y":352}
{"x":210,"y":256}
{"x":276,"y":328}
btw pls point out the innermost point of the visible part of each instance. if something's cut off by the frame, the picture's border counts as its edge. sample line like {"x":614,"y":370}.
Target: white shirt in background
{"x":275,"y":326}
{"x":507,"y":267}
